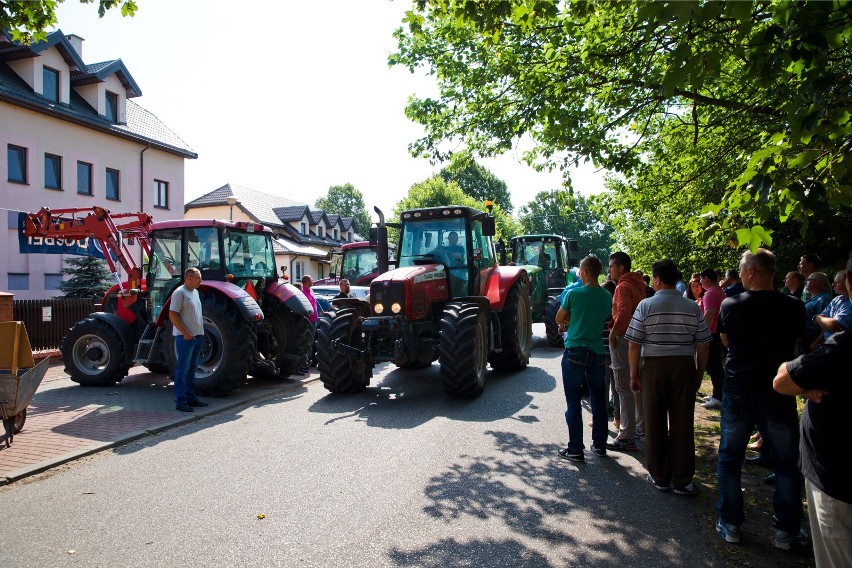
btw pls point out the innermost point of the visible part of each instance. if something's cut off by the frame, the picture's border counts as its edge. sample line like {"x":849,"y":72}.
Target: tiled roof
{"x":293,"y":247}
{"x":258,"y":205}
{"x":292,"y":213}
{"x":142,"y":125}
{"x":332,"y":219}
{"x":316,"y":215}
{"x":348,"y":223}
{"x":93,"y":68}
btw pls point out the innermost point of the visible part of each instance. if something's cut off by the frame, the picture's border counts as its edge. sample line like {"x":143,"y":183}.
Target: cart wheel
{"x":19,"y":421}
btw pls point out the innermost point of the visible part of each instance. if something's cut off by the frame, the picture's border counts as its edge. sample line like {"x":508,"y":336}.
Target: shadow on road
{"x":545,"y":503}
{"x":408,"y":398}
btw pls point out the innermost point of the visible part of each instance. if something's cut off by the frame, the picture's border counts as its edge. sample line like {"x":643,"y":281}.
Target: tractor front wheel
{"x":339,"y":373}
{"x":94,"y":354}
{"x":463,"y":348}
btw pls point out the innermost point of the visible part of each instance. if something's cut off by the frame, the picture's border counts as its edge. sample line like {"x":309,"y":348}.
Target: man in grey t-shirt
{"x":188,"y":332}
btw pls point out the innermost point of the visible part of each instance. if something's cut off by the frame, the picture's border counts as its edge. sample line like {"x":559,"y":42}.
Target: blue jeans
{"x":777,"y":416}
{"x":579,"y":362}
{"x":188,"y":351}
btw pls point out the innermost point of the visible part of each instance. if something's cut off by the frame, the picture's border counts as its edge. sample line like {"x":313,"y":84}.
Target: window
{"x":111,"y":107}
{"x":52,"y":171}
{"x":298,"y":270}
{"x":17,"y":157}
{"x":19,"y":281}
{"x":335,"y":234}
{"x":161,"y":194}
{"x":112,"y":187}
{"x":319,"y":231}
{"x":304,"y":229}
{"x":50,"y":84}
{"x":84,"y":178}
{"x":52,"y":281}
{"x":350,"y":236}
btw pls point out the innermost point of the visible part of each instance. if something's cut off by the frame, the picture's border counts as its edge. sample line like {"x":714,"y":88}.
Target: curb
{"x":34,"y":469}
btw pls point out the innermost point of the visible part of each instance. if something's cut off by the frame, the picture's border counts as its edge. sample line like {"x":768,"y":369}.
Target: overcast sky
{"x":288,"y":98}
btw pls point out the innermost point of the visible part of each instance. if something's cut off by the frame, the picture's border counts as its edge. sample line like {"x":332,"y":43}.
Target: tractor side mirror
{"x":489,"y":229}
{"x":501,"y":252}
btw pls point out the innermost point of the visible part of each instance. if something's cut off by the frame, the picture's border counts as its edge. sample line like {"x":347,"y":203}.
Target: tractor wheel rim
{"x":212,"y":351}
{"x":91,"y":354}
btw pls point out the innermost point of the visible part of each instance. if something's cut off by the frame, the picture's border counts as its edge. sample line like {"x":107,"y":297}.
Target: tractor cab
{"x":547,"y":252}
{"x":221,"y":250}
{"x":459,"y":238}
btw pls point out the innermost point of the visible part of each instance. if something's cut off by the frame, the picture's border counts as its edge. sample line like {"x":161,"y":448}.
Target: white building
{"x":70,"y":136}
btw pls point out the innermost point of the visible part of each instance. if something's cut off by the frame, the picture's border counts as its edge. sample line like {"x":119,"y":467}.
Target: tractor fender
{"x":124,"y":331}
{"x":246,"y":305}
{"x":291,"y":297}
{"x":501,"y":279}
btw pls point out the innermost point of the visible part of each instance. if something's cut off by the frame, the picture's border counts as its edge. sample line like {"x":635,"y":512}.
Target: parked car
{"x":330,"y":291}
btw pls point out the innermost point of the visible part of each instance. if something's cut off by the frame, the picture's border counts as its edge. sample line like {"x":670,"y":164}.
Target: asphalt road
{"x":400,"y":475}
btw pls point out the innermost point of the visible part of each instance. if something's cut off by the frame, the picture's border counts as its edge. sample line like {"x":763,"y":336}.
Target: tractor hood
{"x":414,"y":274}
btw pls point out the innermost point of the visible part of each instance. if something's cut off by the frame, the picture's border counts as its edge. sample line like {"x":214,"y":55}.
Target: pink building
{"x":70,"y":136}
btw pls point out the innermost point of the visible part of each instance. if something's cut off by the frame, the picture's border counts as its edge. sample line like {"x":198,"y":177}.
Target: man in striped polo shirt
{"x":669,"y":341}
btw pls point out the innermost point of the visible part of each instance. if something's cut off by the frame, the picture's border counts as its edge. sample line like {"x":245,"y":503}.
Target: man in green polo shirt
{"x":583,"y":313}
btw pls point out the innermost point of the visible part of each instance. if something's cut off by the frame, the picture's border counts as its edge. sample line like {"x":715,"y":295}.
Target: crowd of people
{"x":759,"y":345}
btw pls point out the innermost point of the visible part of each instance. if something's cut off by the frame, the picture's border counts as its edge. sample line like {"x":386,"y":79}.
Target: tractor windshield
{"x":249,"y":255}
{"x":545,"y":254}
{"x":356,"y":264}
{"x":438,"y":241}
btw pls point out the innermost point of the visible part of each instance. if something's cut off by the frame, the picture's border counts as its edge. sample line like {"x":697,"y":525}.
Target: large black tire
{"x":339,"y":373}
{"x":293,"y":336}
{"x":159,"y":368}
{"x":463,"y":348}
{"x":224,"y":360}
{"x":516,"y":331}
{"x":94,"y":354}
{"x":554,"y":338}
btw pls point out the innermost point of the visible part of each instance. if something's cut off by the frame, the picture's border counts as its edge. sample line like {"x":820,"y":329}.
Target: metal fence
{"x":48,"y":321}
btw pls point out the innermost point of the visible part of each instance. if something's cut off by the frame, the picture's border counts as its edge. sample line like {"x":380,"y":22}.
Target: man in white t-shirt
{"x":188,"y":332}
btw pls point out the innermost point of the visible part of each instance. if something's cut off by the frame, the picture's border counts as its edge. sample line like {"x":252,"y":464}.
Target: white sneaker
{"x":712,"y":403}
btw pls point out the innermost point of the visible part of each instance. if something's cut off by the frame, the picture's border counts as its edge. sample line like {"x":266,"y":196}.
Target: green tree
{"x":28,"y":20}
{"x":346,"y":201}
{"x":562,"y":212}
{"x":596,"y":80}
{"x":478,"y":182}
{"x":435,"y":192}
{"x":89,"y":277}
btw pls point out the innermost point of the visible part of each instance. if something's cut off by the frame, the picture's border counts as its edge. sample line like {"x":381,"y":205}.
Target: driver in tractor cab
{"x":544,"y":260}
{"x":455,"y":252}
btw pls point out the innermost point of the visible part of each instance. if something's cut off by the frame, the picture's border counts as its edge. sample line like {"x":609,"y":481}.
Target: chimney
{"x":77,"y":43}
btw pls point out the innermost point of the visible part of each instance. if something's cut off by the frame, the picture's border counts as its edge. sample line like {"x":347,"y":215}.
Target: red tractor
{"x":448,"y":300}
{"x":252,"y":323}
{"x":357,"y":262}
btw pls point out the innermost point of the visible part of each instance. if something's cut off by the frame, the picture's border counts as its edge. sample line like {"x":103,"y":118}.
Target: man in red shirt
{"x":710,"y":303}
{"x":629,"y":291}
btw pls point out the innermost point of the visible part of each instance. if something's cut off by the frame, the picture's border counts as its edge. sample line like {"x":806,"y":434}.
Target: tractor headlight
{"x":396,"y":307}
{"x":378,"y":308}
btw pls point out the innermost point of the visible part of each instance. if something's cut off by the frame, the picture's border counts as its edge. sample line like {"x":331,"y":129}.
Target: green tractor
{"x":547,"y":259}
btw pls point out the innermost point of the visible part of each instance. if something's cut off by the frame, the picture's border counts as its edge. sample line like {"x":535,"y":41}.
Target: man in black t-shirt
{"x":760,"y":328}
{"x":824,"y":378}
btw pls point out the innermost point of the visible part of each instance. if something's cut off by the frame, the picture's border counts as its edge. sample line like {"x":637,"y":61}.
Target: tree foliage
{"x":346,"y":201}
{"x":435,"y":192}
{"x":767,"y":82}
{"x":28,"y":20}
{"x":89,"y":277}
{"x":568,"y":214}
{"x":479,"y":183}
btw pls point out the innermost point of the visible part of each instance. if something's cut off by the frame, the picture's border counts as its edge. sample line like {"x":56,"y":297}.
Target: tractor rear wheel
{"x":339,"y":373}
{"x":93,"y":354}
{"x":516,"y":331}
{"x":463,"y":348}
{"x":223,"y":363}
{"x":554,"y":338}
{"x":293,"y":338}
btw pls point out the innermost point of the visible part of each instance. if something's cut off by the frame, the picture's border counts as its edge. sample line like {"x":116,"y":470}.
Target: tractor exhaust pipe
{"x":381,"y":241}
